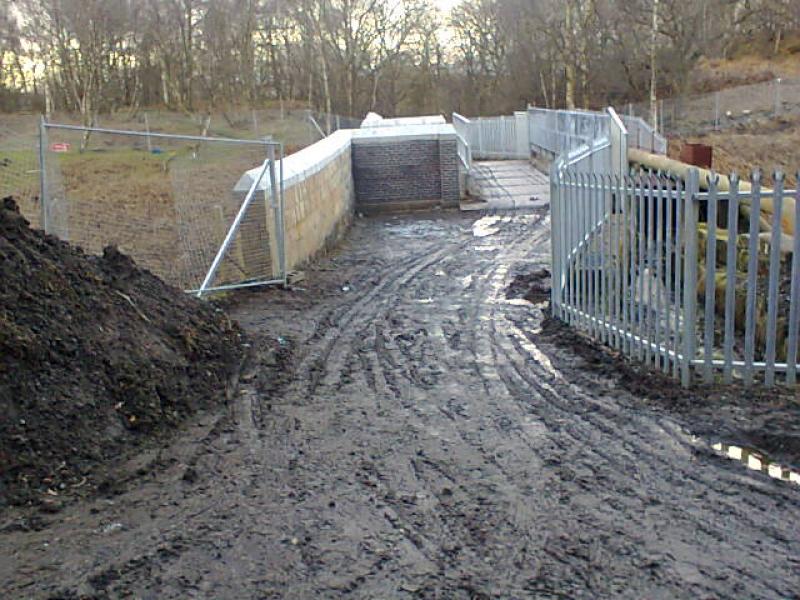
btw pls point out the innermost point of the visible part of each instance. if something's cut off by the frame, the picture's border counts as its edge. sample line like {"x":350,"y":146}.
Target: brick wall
{"x":394,"y":171}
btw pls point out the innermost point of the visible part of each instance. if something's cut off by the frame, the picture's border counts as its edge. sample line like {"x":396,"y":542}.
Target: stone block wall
{"x":318,"y":208}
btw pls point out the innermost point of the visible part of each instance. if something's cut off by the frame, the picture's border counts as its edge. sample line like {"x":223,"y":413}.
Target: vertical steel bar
{"x":650,"y":282}
{"x":730,"y":276}
{"x":774,"y":272}
{"x":584,"y":241}
{"x":560,"y":193}
{"x":578,"y":248}
{"x":680,"y":212}
{"x":630,"y":185}
{"x":573,"y":256}
{"x":752,"y":274}
{"x":710,"y":276}
{"x":555,"y":225}
{"x":598,"y":229}
{"x":563,"y":288}
{"x":617,"y":254}
{"x":794,"y":301}
{"x":575,"y":250}
{"x":605,"y":262}
{"x":640,"y":321}
{"x":660,"y":361}
{"x":590,"y":254}
{"x":275,"y":200}
{"x":690,"y":275}
{"x":283,"y":222}
{"x":669,"y":334}
{"x":564,"y":193}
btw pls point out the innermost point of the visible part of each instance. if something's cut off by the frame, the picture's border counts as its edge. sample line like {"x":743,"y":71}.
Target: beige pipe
{"x":664,"y":164}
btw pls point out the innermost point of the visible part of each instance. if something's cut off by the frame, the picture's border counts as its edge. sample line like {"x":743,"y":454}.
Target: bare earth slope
{"x":404,"y":430}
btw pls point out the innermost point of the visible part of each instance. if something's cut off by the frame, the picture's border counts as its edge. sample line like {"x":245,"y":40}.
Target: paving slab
{"x":506,"y":185}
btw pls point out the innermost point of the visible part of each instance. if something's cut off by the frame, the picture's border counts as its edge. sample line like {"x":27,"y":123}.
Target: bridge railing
{"x":463,"y":125}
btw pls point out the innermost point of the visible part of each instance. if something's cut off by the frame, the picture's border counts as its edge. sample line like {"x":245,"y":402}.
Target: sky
{"x":446,"y":5}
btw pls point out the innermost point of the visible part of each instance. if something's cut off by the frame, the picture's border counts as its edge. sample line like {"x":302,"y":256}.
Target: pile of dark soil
{"x":97,"y":358}
{"x":533,"y":286}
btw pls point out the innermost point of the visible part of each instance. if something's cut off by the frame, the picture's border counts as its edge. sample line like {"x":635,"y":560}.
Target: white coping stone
{"x":312,"y":159}
{"x":302,"y":164}
{"x":432,"y":131}
{"x":375,"y":120}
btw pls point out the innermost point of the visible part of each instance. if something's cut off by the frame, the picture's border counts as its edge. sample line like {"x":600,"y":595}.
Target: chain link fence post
{"x":43,"y":173}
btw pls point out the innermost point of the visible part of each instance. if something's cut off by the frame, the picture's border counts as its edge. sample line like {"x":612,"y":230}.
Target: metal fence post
{"x":778,"y":106}
{"x":276,"y":211}
{"x":555,"y":241}
{"x":43,"y":173}
{"x":794,"y":302}
{"x":691,"y":215}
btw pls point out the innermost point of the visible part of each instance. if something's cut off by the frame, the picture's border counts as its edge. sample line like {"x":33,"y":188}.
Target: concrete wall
{"x":389,"y":167}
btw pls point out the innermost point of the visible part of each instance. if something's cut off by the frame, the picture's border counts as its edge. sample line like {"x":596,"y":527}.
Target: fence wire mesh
{"x":19,"y":167}
{"x":690,"y":114}
{"x":166,"y":201}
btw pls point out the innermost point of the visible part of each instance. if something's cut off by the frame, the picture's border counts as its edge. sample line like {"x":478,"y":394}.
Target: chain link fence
{"x":169,"y":201}
{"x":19,"y":166}
{"x":164,"y":187}
{"x":693,"y":114}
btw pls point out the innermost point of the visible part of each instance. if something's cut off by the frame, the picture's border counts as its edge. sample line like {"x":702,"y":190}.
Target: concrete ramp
{"x":506,"y":184}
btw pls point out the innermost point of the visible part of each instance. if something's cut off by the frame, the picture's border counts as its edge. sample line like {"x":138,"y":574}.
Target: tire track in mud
{"x":423,"y":443}
{"x":457,"y":526}
{"x":524,"y":371}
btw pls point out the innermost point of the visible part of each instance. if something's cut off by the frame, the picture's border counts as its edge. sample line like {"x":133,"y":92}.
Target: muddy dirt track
{"x":402,"y":429}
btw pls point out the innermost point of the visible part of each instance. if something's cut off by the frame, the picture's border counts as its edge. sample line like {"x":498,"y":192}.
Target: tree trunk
{"x":569,"y":55}
{"x":653,"y":78}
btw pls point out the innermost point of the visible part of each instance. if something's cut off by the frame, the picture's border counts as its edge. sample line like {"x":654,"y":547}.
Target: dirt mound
{"x":533,"y":287}
{"x":97,"y":357}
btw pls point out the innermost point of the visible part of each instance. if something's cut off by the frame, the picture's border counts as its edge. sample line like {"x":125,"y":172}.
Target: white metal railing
{"x":641,"y":135}
{"x":681,"y":279}
{"x":462,"y":125}
{"x":557,"y":131}
{"x":500,"y":137}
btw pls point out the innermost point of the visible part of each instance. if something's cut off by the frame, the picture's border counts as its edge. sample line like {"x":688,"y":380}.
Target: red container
{"x":698,"y":155}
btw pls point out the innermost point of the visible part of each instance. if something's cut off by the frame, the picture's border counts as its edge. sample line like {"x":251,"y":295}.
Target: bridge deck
{"x":506,"y":184}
